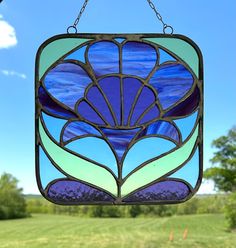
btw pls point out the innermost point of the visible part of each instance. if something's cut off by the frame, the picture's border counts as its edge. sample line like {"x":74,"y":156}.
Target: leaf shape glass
{"x":119,"y":119}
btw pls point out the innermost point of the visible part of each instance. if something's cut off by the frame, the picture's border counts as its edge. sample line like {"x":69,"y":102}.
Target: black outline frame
{"x":198,"y":82}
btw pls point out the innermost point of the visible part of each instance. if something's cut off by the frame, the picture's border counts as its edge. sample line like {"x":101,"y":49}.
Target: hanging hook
{"x":71,"y":28}
{"x":167,"y":27}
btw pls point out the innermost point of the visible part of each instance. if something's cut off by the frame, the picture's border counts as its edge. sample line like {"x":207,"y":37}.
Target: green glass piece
{"x":77,"y":167}
{"x":182,"y":49}
{"x":55,"y":50}
{"x":159,"y":167}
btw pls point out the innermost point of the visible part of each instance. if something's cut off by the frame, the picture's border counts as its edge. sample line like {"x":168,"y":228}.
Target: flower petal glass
{"x":119,"y":119}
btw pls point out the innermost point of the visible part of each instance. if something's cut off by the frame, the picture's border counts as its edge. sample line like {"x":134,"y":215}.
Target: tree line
{"x":197,"y":205}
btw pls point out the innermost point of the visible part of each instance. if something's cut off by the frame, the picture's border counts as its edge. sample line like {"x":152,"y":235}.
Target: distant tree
{"x":12,"y":202}
{"x":230,"y":211}
{"x":96,"y":211}
{"x":188,"y":207}
{"x":224,"y":159}
{"x":112,"y":211}
{"x":157,"y":210}
{"x":135,"y":210}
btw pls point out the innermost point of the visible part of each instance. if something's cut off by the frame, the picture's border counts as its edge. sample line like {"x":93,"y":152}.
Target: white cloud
{"x":7,"y":34}
{"x":13,"y":73}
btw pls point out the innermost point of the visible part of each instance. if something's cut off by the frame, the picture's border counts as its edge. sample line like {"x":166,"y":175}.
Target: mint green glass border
{"x":182,"y":41}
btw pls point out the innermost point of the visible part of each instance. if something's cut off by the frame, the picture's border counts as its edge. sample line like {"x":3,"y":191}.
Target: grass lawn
{"x":65,"y":231}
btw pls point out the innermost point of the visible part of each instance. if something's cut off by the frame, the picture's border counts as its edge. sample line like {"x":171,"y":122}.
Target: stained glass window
{"x":119,"y":119}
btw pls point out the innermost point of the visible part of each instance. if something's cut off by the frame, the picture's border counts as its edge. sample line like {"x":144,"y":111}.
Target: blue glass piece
{"x":53,"y":125}
{"x":131,"y":87}
{"x":145,"y":100}
{"x":190,"y":171}
{"x":87,"y":112}
{"x":186,"y":125}
{"x":67,"y":83}
{"x":120,"y":139}
{"x":95,"y":149}
{"x":120,"y":40}
{"x":152,"y":114}
{"x":111,"y":88}
{"x":144,"y":150}
{"x":185,"y":107}
{"x":78,"y":54}
{"x":163,"y":128}
{"x":164,"y":56}
{"x":172,"y":82}
{"x":104,"y":58}
{"x":47,"y":171}
{"x":52,"y":107}
{"x":138,"y":59}
{"x":95,"y":97}
{"x":79,"y":128}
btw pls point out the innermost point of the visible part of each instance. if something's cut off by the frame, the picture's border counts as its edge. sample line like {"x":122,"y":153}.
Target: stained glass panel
{"x":119,"y":119}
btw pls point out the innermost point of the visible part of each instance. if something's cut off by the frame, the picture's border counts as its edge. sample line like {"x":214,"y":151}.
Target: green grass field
{"x":65,"y":231}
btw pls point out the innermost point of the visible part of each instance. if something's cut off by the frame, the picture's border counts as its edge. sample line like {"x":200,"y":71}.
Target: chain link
{"x":159,"y":17}
{"x":77,"y":20}
{"x":74,"y":26}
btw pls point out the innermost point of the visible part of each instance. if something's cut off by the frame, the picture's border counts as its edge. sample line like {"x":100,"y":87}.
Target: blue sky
{"x":24,"y":25}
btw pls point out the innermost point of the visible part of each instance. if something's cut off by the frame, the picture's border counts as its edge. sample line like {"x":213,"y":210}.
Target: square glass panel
{"x":119,"y":119}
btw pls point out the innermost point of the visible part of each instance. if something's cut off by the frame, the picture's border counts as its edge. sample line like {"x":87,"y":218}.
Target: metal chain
{"x":165,"y":26}
{"x":74,"y":26}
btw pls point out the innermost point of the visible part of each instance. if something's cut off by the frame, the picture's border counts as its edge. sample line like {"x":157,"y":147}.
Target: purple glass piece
{"x":104,"y":58}
{"x":120,"y":139}
{"x":172,"y":82}
{"x":77,"y":129}
{"x":69,"y":191}
{"x":162,"y":128}
{"x":145,"y":100}
{"x":87,"y":112}
{"x":187,"y":106}
{"x":52,"y":107}
{"x":130,"y":90}
{"x":152,"y":114}
{"x":171,"y":190}
{"x":67,"y":83}
{"x":111,"y":88}
{"x":96,"y":98}
{"x":138,"y":59}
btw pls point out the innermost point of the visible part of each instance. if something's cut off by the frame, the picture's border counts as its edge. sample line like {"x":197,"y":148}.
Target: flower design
{"x":121,"y":93}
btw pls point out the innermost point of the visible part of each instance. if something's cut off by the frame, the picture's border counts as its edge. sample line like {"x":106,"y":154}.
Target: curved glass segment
{"x":135,"y":61}
{"x":78,"y":129}
{"x":68,"y":76}
{"x":46,"y":165}
{"x":104,"y":58}
{"x":172,"y":82}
